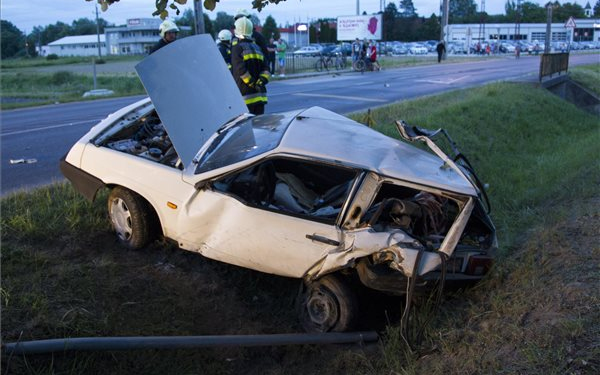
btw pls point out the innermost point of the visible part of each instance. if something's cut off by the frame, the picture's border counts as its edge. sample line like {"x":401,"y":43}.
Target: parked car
{"x":307,"y":194}
{"x":417,"y":49}
{"x":506,"y":47}
{"x":308,"y":51}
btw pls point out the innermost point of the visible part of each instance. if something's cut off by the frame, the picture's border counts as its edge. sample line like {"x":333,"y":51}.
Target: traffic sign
{"x":570,"y":23}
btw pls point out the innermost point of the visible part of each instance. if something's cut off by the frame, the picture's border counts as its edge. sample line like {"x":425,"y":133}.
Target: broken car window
{"x":293,"y":187}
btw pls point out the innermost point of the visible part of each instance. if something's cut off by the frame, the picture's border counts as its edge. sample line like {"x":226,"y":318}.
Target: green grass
{"x":588,"y":76}
{"x":64,"y":275}
{"x":61,"y":86}
{"x":17,"y":63}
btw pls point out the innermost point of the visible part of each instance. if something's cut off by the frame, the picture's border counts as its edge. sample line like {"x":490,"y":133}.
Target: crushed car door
{"x":277,"y":216}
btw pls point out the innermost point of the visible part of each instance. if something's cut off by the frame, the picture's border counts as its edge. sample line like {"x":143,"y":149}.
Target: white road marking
{"x":444,"y":82}
{"x":49,"y":127}
{"x":357,"y":98}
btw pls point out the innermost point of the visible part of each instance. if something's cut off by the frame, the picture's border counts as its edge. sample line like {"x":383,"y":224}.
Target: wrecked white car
{"x":307,"y":194}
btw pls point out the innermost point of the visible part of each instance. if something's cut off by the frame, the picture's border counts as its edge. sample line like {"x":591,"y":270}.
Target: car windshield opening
{"x":251,"y":137}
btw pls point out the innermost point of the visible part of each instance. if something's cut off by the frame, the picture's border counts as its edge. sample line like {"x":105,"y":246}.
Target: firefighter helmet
{"x":224,"y":35}
{"x":243,"y":27}
{"x":167,"y":26}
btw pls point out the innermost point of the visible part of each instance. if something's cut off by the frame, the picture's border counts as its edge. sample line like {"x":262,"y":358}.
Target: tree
{"x":563,"y":12}
{"x":389,"y":18}
{"x":270,"y":29}
{"x":85,"y":26}
{"x":461,"y":11}
{"x":407,"y":9}
{"x":597,"y":9}
{"x":430,"y":30}
{"x":163,"y":6}
{"x":530,"y":12}
{"x":12,"y":40}
{"x":223,"y":21}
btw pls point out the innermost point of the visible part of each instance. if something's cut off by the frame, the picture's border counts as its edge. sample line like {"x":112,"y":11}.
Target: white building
{"x":137,"y":37}
{"x":586,"y":29}
{"x":80,"y":45}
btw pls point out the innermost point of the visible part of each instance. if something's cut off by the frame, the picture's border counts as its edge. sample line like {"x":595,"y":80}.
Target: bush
{"x":62,"y":77}
{"x":100,"y":61}
{"x":52,"y":56}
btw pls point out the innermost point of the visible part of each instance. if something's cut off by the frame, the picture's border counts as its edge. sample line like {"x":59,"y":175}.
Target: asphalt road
{"x":46,"y":133}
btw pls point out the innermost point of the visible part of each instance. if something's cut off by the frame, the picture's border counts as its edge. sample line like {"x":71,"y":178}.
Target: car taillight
{"x":478,"y":265}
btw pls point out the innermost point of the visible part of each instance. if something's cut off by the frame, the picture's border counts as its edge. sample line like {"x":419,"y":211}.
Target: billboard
{"x":352,"y":27}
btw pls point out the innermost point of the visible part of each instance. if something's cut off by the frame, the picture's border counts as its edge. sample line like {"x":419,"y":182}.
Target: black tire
{"x":133,"y":219}
{"x":360,"y":65}
{"x":327,"y":305}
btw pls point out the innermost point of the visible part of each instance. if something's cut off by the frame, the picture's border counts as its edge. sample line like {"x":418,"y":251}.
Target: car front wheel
{"x":132,"y":218}
{"x":327,"y":305}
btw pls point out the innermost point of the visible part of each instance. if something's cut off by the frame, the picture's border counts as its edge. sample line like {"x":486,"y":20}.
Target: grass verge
{"x":63,"y":275}
{"x":32,"y":62}
{"x":588,"y":76}
{"x":28,"y":89}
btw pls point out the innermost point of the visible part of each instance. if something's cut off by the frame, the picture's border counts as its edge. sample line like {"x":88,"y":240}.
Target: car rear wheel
{"x":327,"y":304}
{"x":132,"y":218}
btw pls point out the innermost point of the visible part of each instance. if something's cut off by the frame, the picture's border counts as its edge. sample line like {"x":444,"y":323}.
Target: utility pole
{"x":445,"y":10}
{"x":98,"y":33}
{"x":517,"y":36}
{"x":199,"y":17}
{"x":548,"y":26}
{"x":358,"y":7}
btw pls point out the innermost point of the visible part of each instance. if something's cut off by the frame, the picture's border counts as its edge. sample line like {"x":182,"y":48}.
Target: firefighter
{"x":249,"y":67}
{"x":168,"y":34}
{"x":224,"y":45}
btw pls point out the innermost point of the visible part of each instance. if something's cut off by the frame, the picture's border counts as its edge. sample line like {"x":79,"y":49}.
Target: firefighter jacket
{"x":225,"y":50}
{"x":250,"y":71}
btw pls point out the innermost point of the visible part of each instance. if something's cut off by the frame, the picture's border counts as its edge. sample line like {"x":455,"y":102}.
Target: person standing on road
{"x":441,"y":49}
{"x":281,"y":51}
{"x":356,"y":48}
{"x":168,"y":34}
{"x":224,"y":46}
{"x":249,"y":68}
{"x":373,"y":56}
{"x":271,"y":47}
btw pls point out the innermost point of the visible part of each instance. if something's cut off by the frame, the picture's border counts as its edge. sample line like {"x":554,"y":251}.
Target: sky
{"x":25,"y":14}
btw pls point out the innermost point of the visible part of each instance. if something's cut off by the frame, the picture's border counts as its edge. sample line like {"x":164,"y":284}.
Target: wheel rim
{"x":322,"y":309}
{"x":121,"y":218}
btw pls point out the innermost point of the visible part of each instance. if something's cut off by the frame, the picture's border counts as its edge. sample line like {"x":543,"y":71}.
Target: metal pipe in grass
{"x":186,"y":342}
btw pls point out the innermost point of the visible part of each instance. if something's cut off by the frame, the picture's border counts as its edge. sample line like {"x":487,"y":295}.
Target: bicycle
{"x":324,"y":62}
{"x":340,"y":61}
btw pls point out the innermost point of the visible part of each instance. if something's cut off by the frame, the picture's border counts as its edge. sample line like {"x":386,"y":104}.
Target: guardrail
{"x":552,"y":63}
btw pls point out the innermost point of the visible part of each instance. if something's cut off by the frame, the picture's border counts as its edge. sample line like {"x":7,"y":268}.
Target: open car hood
{"x":192,"y":91}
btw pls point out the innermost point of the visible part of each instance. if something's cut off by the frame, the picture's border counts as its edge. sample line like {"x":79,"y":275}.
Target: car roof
{"x":325,"y":135}
{"x":192,"y":90}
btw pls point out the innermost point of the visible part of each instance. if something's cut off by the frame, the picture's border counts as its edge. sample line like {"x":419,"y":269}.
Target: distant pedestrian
{"x":356,"y":49}
{"x":281,"y":52}
{"x":271,"y":48}
{"x":249,"y":68}
{"x":441,"y":49}
{"x":518,"y":50}
{"x":373,"y":56}
{"x":168,"y":34}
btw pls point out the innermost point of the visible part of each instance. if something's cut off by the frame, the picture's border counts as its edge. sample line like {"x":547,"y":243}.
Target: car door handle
{"x":322,"y":239}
